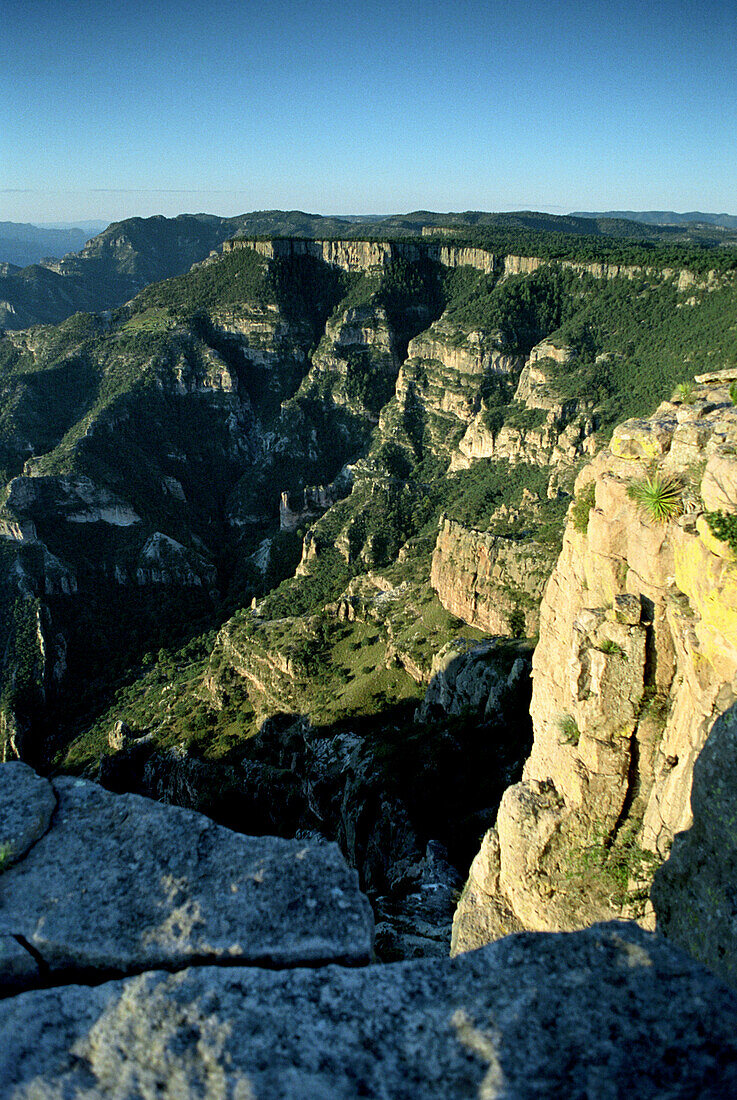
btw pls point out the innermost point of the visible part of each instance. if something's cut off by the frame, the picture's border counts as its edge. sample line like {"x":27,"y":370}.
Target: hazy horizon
{"x":367,"y":106}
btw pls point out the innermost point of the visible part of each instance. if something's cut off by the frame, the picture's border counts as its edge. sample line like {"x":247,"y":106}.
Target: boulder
{"x":121,"y":883}
{"x":608,"y":1012}
{"x":26,"y":804}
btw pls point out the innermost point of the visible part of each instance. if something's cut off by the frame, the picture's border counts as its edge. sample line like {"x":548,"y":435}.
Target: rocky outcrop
{"x":74,"y":499}
{"x":485,"y":678}
{"x":693,"y":892}
{"x":315,"y":499}
{"x":358,"y":255}
{"x":637,"y":659}
{"x":119,"y":884}
{"x":223,"y":950}
{"x":439,"y":386}
{"x":611,"y":1011}
{"x":163,"y":560}
{"x":543,"y":428}
{"x":491,"y":582}
{"x":464,"y":352}
{"x":265,"y":336}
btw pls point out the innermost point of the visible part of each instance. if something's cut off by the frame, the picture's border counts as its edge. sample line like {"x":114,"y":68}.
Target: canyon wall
{"x":637,"y":660}
{"x":357,"y":255}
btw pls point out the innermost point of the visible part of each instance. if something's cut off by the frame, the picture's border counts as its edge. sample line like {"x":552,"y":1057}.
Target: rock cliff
{"x":637,"y":659}
{"x":371,"y":255}
{"x":491,"y":582}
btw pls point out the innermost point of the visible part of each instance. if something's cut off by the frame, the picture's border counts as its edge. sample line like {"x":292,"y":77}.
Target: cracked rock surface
{"x":121,"y":884}
{"x":608,"y":1012}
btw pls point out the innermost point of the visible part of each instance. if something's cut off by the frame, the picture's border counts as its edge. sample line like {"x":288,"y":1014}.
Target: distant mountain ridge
{"x":115,"y":265}
{"x":664,"y":217}
{"x":22,"y":243}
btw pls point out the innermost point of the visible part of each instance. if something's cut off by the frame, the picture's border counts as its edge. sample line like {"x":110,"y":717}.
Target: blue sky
{"x":111,"y":111}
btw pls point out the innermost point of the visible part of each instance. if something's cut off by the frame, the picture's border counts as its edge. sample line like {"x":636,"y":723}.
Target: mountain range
{"x":128,"y":255}
{"x":665,"y":217}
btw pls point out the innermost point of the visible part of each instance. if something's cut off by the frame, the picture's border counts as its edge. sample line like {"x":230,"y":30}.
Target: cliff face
{"x":636,"y":660}
{"x":491,"y":582}
{"x":439,"y":386}
{"x":366,"y":255}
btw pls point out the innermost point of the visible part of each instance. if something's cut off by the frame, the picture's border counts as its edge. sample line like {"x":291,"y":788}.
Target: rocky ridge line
{"x":366,"y":255}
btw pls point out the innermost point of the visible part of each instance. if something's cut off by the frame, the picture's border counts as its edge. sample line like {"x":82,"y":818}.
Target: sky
{"x":110,"y":111}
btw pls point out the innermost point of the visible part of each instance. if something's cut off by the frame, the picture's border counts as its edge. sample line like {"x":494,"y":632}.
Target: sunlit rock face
{"x":636,"y":661}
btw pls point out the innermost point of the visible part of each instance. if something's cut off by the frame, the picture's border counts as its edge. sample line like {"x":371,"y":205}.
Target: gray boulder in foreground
{"x":123,"y":884}
{"x":605,"y":1013}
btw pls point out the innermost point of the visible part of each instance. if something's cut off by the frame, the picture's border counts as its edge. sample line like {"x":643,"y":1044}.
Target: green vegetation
{"x":523,"y":308}
{"x":569,"y":732}
{"x":724,"y":527}
{"x":161,"y":406}
{"x":23,"y":665}
{"x":685,"y":392}
{"x":471,"y":496}
{"x":581,"y":508}
{"x":637,"y":339}
{"x":659,"y":497}
{"x":301,"y":287}
{"x":534,"y":235}
{"x":616,"y":866}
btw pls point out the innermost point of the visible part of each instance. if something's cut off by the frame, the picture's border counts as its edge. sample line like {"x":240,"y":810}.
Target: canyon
{"x":283,"y":539}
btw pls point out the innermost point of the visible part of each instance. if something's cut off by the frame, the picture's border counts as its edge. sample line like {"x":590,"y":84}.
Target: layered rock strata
{"x":357,"y":255}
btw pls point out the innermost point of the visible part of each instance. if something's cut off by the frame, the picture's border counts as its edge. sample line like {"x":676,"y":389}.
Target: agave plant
{"x":660,"y":498}
{"x":685,"y":392}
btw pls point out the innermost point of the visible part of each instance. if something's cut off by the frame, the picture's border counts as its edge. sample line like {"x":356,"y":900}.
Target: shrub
{"x":569,"y":732}
{"x":685,"y":392}
{"x":517,"y":622}
{"x":733,"y":393}
{"x":660,"y":498}
{"x":582,"y":505}
{"x":724,"y":527}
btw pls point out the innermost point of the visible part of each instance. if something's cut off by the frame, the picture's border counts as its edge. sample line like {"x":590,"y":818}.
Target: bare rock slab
{"x":26,"y":804}
{"x":610,"y":1012}
{"x":121,"y":884}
